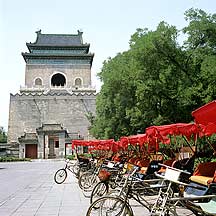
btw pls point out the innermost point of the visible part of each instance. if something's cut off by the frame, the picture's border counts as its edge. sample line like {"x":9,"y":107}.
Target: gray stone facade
{"x":28,"y":112}
{"x":57,"y":93}
{"x":70,"y":72}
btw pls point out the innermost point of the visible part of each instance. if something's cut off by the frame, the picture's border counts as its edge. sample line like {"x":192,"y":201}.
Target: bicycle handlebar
{"x":180,"y":183}
{"x":169,"y":167}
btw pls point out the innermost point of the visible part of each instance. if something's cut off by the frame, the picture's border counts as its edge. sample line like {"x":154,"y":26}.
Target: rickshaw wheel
{"x":60,"y":176}
{"x":100,"y":189}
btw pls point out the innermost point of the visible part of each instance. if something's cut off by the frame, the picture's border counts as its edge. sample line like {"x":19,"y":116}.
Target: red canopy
{"x":138,"y":139}
{"x":186,"y":129}
{"x":159,"y":134}
{"x":133,"y":140}
{"x":205,"y":114}
{"x":96,"y":144}
{"x":79,"y":143}
{"x":210,"y":129}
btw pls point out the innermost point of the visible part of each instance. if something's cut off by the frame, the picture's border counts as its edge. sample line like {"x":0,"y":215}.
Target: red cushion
{"x":205,"y":169}
{"x":213,"y":180}
{"x":142,"y":163}
{"x":214,"y":177}
{"x":169,"y":162}
{"x":132,"y":160}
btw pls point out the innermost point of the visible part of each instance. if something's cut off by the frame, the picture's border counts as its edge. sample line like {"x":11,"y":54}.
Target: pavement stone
{"x":28,"y":189}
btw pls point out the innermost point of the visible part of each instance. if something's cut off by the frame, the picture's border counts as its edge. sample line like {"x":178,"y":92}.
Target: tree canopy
{"x":3,"y":136}
{"x":158,"y":80}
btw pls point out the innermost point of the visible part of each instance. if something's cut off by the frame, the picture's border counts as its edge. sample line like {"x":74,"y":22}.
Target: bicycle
{"x":169,"y":203}
{"x":89,"y":179}
{"x":111,"y":176}
{"x":133,"y":188}
{"x":61,"y":174}
{"x":103,"y":186}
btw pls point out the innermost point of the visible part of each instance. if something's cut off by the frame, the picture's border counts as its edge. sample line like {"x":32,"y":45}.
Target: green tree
{"x":157,"y":81}
{"x":3,"y":136}
{"x":117,"y":94}
{"x":201,"y":50}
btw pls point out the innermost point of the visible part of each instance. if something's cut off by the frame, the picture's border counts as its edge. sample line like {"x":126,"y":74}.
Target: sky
{"x":106,"y":24}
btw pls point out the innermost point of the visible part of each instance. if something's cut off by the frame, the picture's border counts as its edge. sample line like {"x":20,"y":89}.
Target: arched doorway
{"x":58,"y":80}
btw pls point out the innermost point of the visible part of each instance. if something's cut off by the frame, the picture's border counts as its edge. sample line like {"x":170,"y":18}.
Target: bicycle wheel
{"x":100,"y":189}
{"x":87,"y":181}
{"x":75,"y":169}
{"x":60,"y":176}
{"x":109,"y":206}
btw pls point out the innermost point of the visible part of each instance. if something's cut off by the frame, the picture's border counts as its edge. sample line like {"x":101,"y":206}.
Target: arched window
{"x":78,"y":82}
{"x":38,"y":81}
{"x":58,"y":80}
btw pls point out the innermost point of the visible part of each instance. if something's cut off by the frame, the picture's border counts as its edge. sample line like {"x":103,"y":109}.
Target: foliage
{"x":84,"y":155}
{"x":3,"y":136}
{"x":70,"y":157}
{"x":157,"y":81}
{"x":12,"y":159}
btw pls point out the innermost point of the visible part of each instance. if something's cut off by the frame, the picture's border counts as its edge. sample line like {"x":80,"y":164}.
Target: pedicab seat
{"x":203,"y":180}
{"x":144,"y":165}
{"x":205,"y":173}
{"x":128,"y":167}
{"x":150,"y":169}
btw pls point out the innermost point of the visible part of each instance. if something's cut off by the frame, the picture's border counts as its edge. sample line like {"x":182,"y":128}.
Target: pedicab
{"x":110,"y":174}
{"x":104,"y":169}
{"x":141,"y":191}
{"x":164,"y":133}
{"x":132,"y":185}
{"x":141,"y":157}
{"x":199,"y":195}
{"x":205,"y":173}
{"x":167,"y":201}
{"x":81,"y":164}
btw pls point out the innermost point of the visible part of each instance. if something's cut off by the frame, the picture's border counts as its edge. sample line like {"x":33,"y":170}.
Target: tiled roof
{"x":59,"y":39}
{"x":28,"y":136}
{"x":84,"y":55}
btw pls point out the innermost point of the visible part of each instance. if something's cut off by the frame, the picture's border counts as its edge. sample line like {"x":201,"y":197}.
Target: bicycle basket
{"x":104,"y":175}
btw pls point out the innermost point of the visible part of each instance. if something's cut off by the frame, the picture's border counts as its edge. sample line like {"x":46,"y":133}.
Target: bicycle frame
{"x":167,"y":202}
{"x":129,"y":189}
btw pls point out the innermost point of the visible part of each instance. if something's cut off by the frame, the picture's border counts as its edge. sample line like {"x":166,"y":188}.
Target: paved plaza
{"x":28,"y":188}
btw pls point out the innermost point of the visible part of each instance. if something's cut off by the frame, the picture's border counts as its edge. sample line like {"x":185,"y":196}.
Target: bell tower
{"x":57,"y":62}
{"x":53,"y":106}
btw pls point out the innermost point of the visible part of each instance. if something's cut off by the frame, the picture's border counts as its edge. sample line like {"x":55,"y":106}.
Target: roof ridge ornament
{"x":38,"y":32}
{"x":80,"y":32}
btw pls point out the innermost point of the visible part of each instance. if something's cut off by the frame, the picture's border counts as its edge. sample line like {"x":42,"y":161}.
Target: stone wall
{"x":28,"y":112}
